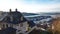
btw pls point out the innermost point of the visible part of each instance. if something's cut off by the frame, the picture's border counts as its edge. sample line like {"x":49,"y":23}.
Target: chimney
{"x":16,"y":10}
{"x":10,"y":10}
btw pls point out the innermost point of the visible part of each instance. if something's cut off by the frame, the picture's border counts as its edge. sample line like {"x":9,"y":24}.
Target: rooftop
{"x":13,"y":17}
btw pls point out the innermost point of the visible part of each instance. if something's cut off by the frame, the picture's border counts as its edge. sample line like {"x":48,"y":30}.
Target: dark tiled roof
{"x":7,"y":30}
{"x":3,"y":15}
{"x":16,"y":16}
{"x":31,"y":23}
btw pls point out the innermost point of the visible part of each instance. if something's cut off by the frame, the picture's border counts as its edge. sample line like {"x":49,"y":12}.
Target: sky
{"x":30,"y":6}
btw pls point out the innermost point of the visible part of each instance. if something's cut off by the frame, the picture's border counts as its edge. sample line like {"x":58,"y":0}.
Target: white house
{"x":15,"y":20}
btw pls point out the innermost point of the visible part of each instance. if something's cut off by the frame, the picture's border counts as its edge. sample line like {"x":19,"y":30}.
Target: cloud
{"x":40,"y":1}
{"x":29,"y":5}
{"x":40,"y":8}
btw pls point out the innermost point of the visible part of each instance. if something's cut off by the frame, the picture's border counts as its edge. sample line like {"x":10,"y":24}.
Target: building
{"x":15,"y":20}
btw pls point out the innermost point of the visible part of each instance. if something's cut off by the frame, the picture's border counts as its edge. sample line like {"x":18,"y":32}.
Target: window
{"x":19,"y":30}
{"x":17,"y":24}
{"x":6,"y":25}
{"x":3,"y":25}
{"x":21,"y":24}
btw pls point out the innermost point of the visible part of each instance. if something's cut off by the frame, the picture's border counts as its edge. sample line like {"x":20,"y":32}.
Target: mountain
{"x":29,"y":14}
{"x":49,"y":13}
{"x":41,"y":13}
